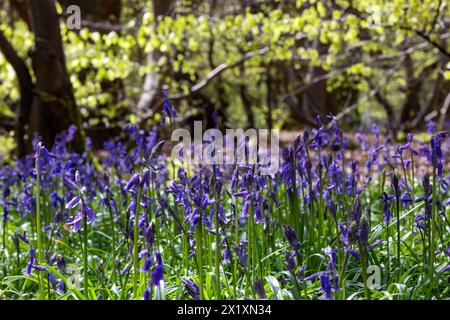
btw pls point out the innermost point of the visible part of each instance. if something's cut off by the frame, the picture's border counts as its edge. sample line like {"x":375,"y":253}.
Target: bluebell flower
{"x":147,"y":294}
{"x":134,"y":180}
{"x":363,"y":231}
{"x":354,"y":254}
{"x":258,"y":288}
{"x":301,"y":272}
{"x":326,"y":286}
{"x":42,"y":156}
{"x":158,"y":271}
{"x":61,"y":264}
{"x":314,"y":276}
{"x":226,"y":256}
{"x":23,"y":237}
{"x":30,"y":261}
{"x":73,"y":203}
{"x":243,"y":193}
{"x":406,"y":200}
{"x":291,"y":236}
{"x":147,"y":265}
{"x":242,"y":256}
{"x":168,"y":109}
{"x":246,"y":208}
{"x":125,"y":269}
{"x":191,"y":288}
{"x":375,"y":244}
{"x":289,"y":258}
{"x":356,"y":211}
{"x":62,"y":286}
{"x":447,"y":251}
{"x":420,"y":222}
{"x":431,"y":126}
{"x":52,"y":280}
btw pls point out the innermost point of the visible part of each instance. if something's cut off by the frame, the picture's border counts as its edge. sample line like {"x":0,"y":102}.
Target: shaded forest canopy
{"x":258,"y":63}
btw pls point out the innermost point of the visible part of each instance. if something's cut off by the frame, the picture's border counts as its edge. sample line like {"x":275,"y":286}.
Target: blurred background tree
{"x":258,"y":63}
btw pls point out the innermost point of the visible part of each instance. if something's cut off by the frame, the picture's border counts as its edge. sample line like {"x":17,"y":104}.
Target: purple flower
{"x":363,"y":231}
{"x":258,"y":287}
{"x":125,"y":269}
{"x":30,"y":261}
{"x":61,"y":264}
{"x":344,"y":235}
{"x":420,"y":222}
{"x":290,"y":261}
{"x":226,"y":256}
{"x":73,"y":203}
{"x":291,"y":236}
{"x":375,"y":244}
{"x":23,"y":237}
{"x":147,"y":294}
{"x":147,"y":265}
{"x":246,"y":207}
{"x":70,"y":184}
{"x":301,"y":272}
{"x":158,"y":271}
{"x":313,"y":276}
{"x":90,"y":214}
{"x":356,"y":212}
{"x":354,"y":254}
{"x":332,"y":207}
{"x":243,"y":193}
{"x":386,"y":206}
{"x":52,"y":279}
{"x":242,"y":256}
{"x":447,"y":251}
{"x":326,"y":286}
{"x":409,"y":137}
{"x":168,"y":109}
{"x":134,"y":180}
{"x":42,"y":156}
{"x":145,"y":178}
{"x":62,"y":286}
{"x":192,"y":288}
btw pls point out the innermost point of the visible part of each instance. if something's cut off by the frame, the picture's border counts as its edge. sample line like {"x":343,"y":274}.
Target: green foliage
{"x":352,"y":40}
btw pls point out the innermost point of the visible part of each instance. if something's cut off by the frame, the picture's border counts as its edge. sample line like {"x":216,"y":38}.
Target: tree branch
{"x":26,"y":90}
{"x":22,"y":12}
{"x":216,"y":72}
{"x":206,"y":81}
{"x":431,"y":41}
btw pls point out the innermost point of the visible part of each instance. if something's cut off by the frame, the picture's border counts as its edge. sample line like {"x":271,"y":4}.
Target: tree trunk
{"x":152,"y":85}
{"x":26,"y":92}
{"x":54,"y":108}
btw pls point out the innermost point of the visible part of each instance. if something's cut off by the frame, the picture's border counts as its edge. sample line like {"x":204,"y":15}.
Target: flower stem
{"x":433,"y":221}
{"x":40,"y":253}
{"x":113,"y":242}
{"x":217,"y":252}
{"x":364,"y":266}
{"x":397,"y":209}
{"x":199,"y":247}
{"x":85,"y":254}
{"x":136,"y":245}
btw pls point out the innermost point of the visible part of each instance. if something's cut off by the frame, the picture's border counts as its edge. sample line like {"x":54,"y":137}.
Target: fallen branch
{"x":207,"y":80}
{"x":444,"y":110}
{"x":217,"y":71}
